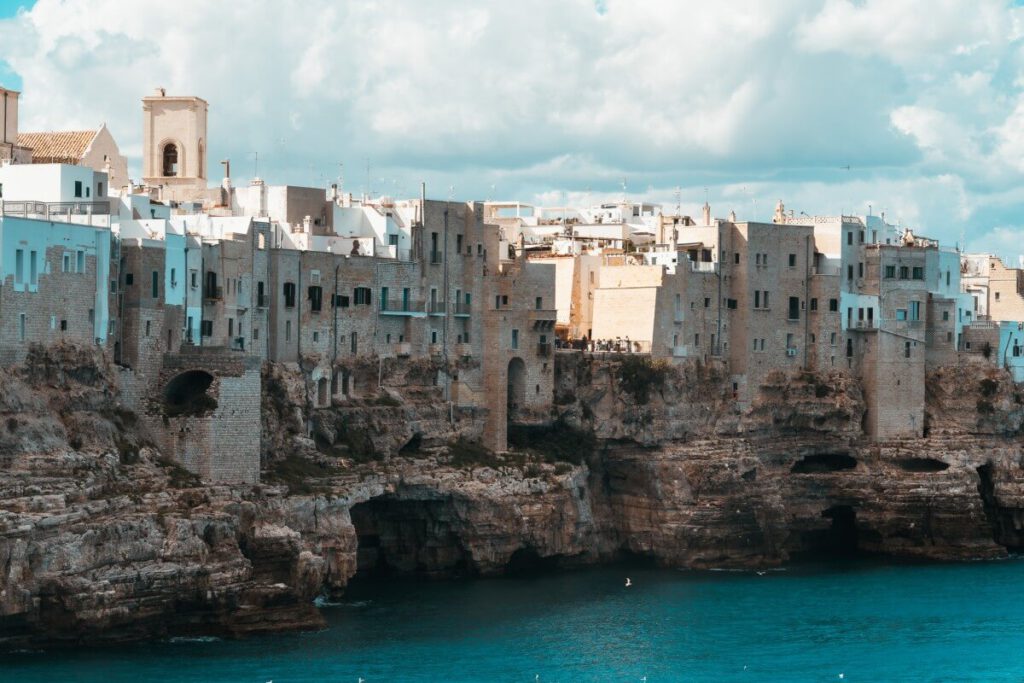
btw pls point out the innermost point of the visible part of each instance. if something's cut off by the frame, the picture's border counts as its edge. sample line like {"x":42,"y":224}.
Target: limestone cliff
{"x":102,"y":539}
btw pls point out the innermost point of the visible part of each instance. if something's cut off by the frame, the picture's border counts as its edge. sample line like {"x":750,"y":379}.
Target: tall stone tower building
{"x":174,"y":144}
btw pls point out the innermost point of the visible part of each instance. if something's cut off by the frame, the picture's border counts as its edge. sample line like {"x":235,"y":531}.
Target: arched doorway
{"x":188,"y":394}
{"x":516,"y":386}
{"x":321,"y":392}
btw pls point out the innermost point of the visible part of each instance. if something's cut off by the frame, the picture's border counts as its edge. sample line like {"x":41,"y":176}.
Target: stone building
{"x":174,"y":145}
{"x":93,"y":148}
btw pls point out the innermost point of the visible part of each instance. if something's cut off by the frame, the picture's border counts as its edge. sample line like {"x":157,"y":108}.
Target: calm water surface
{"x":867,"y":622}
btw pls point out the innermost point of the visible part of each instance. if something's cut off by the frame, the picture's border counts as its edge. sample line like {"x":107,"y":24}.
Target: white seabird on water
{"x":628,"y":582}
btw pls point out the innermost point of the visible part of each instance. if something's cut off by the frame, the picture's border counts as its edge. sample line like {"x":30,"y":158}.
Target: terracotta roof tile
{"x":57,"y":147}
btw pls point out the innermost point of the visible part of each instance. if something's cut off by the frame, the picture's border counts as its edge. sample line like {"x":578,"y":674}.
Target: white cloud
{"x":922,"y":99}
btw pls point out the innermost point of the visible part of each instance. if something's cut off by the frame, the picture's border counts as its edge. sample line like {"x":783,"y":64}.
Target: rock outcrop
{"x":103,"y":540}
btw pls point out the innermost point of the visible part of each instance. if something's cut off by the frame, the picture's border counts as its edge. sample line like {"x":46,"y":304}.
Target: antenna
{"x":679,"y":201}
{"x":623,"y":190}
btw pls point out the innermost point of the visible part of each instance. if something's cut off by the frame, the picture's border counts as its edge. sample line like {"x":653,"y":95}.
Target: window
{"x":947,"y":278}
{"x":497,"y":300}
{"x":315,"y":295}
{"x":707,"y":302}
{"x":764,"y":259}
{"x":255,"y":333}
{"x":354,"y":342}
{"x":696,"y":339}
{"x":789,"y":340}
{"x":289,"y":294}
{"x":918,"y":273}
{"x":997,"y":296}
{"x":147,"y":327}
{"x":757,"y":298}
{"x":170,"y":159}
{"x":904,"y":272}
{"x":515,"y":339}
{"x":832,"y":339}
{"x":860,"y":269}
{"x":78,"y":189}
{"x":833,"y":305}
{"x":849,"y":348}
{"x":736,"y":257}
{"x":65,"y":265}
{"x":730,"y":304}
{"x":21,"y":326}
{"x":901,"y":314}
{"x":849,"y":237}
{"x":99,"y":189}
{"x":915,"y":310}
{"x":757,"y":259}
{"x":231,"y":327}
{"x":792,"y":260}
{"x":156,"y":283}
{"x":362,"y":296}
{"x":19,"y":266}
{"x":383,"y":298}
{"x":92,"y":316}
{"x":206,"y":328}
{"x":64,"y":326}
{"x":341,"y":301}
{"x":814,"y":304}
{"x":849,"y":272}
{"x":861,"y":238}
{"x":287,"y":330}
{"x":539,"y":303}
{"x":766,"y":300}
{"x":890,"y":272}
{"x":458,"y":244}
{"x":316,"y":337}
{"x":906,"y":349}
{"x":195,"y":277}
{"x":32,"y":273}
{"x":945,"y":316}
{"x":794,"y":308}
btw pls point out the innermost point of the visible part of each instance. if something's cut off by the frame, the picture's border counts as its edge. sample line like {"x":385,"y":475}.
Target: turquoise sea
{"x":840,"y":622}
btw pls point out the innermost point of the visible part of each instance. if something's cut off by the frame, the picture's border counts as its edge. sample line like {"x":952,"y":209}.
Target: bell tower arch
{"x":174,"y":143}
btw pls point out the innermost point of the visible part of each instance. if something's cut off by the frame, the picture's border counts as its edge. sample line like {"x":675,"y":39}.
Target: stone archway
{"x":516,"y":387}
{"x":187,"y":393}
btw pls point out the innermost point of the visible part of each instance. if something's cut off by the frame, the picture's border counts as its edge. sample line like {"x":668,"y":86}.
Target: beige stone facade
{"x":174,"y":145}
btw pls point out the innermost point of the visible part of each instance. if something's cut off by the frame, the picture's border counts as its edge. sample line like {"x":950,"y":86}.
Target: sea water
{"x":841,"y":622}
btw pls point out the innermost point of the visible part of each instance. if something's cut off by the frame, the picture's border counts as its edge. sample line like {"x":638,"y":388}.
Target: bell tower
{"x":174,"y":143}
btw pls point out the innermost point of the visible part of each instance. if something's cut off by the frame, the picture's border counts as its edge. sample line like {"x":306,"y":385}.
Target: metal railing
{"x":400,"y":305}
{"x":462,"y":309}
{"x":213,"y":293}
{"x":46,"y":209}
{"x":437,"y":307}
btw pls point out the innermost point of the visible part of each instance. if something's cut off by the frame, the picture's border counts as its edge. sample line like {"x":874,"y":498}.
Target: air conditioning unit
{"x":790,"y":352}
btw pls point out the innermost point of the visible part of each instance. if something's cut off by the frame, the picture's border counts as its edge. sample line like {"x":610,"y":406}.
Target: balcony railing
{"x":100,"y":208}
{"x":213,"y":293}
{"x":462,"y":309}
{"x":544,"y":349}
{"x":401,"y":306}
{"x":437,"y":307}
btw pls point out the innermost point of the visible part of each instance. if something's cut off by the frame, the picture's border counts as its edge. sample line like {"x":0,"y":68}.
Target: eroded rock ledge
{"x":103,"y":540}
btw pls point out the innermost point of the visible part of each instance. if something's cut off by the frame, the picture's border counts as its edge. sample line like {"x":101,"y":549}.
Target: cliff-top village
{"x":189,"y":288}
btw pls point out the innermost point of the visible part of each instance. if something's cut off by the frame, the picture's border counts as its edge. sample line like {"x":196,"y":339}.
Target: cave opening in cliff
{"x":839,"y":540}
{"x":1005,"y":530}
{"x":821,"y":463}
{"x":409,"y":538}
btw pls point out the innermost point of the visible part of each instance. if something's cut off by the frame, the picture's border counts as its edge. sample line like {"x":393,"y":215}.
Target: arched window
{"x":170,"y":160}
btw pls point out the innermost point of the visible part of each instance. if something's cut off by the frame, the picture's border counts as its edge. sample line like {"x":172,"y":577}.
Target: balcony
{"x":437,"y":307}
{"x":703,"y":267}
{"x":462,"y":310}
{"x":543,"y":318}
{"x":47,"y":209}
{"x":544,"y":349}
{"x":403,"y":349}
{"x":408,"y":307}
{"x":865,"y":326}
{"x":213,"y":293}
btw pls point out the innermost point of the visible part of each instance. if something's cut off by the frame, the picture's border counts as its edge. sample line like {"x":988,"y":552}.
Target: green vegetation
{"x":639,"y":376}
{"x":300,"y":475}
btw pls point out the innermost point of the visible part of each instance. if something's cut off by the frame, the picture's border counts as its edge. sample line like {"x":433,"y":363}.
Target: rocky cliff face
{"x":103,"y":540}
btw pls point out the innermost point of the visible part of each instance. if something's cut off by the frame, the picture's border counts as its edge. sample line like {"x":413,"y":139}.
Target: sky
{"x":914,"y":108}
